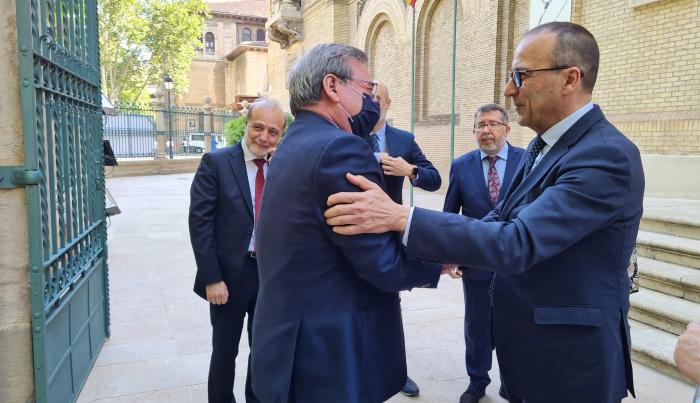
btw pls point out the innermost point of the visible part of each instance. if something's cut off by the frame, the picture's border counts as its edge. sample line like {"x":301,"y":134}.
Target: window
{"x":542,"y":11}
{"x":209,"y":42}
{"x":260,"y":35}
{"x":246,"y":36}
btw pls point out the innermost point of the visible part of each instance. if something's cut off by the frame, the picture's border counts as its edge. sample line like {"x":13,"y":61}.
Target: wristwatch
{"x":414,"y":172}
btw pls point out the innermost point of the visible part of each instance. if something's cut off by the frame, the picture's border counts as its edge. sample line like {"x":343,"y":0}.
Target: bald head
{"x":384,"y":102}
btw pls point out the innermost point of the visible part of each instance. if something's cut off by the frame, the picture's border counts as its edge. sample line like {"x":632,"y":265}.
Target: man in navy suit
{"x":478,"y":182}
{"x":400,"y":157}
{"x":399,"y":154}
{"x":225,"y":199}
{"x":559,"y":242}
{"x":328,"y":323}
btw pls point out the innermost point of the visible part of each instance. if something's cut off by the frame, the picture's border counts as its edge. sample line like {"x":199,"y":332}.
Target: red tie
{"x":494,"y":184}
{"x":259,"y":184}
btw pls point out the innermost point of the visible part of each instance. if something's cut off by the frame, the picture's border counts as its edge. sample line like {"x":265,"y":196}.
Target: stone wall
{"x":16,"y":371}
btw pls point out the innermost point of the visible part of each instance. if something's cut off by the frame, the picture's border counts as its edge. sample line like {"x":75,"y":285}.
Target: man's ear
{"x":330,"y":88}
{"x":573,"y":79}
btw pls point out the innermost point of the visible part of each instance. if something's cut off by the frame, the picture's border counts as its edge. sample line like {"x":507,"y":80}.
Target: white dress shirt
{"x":252,"y":171}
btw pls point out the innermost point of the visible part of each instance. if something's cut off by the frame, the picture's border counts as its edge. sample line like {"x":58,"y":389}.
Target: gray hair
{"x":575,"y":46}
{"x":492,"y":107}
{"x":306,"y":78}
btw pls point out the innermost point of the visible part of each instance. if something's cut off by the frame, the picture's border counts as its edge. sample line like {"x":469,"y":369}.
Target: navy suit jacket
{"x":560,"y":244}
{"x":221,"y":218}
{"x":400,"y":143}
{"x":327,"y":324}
{"x":469,"y":194}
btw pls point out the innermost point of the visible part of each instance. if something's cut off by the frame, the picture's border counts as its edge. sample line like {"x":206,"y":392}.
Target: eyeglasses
{"x":368,"y":84}
{"x":517,"y":75}
{"x":492,"y":125}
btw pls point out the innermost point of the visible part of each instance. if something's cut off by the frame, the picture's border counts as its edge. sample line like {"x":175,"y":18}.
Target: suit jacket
{"x":327,"y":324}
{"x":468,"y":191}
{"x":560,"y":244}
{"x":221,"y":218}
{"x":400,"y":143}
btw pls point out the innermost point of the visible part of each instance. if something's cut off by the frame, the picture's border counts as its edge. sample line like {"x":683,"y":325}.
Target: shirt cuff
{"x":414,"y":180}
{"x":404,"y":240}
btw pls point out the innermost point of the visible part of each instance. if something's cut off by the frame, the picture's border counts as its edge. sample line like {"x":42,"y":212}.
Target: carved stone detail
{"x":284,"y":26}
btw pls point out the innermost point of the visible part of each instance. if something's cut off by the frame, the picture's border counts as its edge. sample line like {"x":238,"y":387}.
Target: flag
{"x":411,"y":3}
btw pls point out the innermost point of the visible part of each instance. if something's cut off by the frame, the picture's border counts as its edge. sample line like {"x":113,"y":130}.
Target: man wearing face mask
{"x":327,"y":325}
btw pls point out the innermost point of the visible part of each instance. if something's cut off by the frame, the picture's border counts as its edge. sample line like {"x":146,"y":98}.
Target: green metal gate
{"x":64,"y":179}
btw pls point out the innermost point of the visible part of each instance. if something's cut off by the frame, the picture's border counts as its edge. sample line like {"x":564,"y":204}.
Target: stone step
{"x":669,"y":248}
{"x":672,"y":216}
{"x":654,"y":348}
{"x":670,"y":226}
{"x":666,"y":312}
{"x":669,"y":278}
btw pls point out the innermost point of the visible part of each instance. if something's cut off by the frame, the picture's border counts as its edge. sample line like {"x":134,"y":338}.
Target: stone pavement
{"x":160,"y":342}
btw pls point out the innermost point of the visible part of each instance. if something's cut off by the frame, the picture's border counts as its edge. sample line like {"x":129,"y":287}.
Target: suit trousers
{"x":227,"y":326}
{"x":477,"y":331}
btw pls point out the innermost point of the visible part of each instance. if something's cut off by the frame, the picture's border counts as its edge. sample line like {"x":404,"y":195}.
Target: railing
{"x":165,"y":132}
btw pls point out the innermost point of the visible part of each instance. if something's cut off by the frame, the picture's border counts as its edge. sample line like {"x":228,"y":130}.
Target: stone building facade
{"x":231,"y":63}
{"x":647,"y":84}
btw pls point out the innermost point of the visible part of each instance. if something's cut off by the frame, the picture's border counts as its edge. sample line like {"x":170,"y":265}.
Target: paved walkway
{"x":160,"y":345}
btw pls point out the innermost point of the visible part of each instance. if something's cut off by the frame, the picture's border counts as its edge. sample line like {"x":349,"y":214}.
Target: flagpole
{"x":454,"y":70}
{"x":413,"y":81}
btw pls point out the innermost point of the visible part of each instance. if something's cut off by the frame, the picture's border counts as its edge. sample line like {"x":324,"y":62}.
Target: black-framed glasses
{"x":368,"y":84}
{"x":492,"y":125}
{"x":517,"y":75}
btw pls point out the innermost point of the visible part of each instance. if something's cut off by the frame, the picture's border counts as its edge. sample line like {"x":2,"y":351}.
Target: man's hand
{"x":687,"y":354}
{"x":396,"y":166}
{"x":217,"y":293}
{"x":451,"y":270}
{"x":368,"y":212}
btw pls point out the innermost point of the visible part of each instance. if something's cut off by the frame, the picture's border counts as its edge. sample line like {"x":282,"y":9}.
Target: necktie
{"x":535,"y":147}
{"x":374,"y":142}
{"x":494,"y":184}
{"x":259,"y":184}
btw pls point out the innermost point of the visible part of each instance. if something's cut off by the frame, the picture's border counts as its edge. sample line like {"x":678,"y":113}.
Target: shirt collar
{"x":552,"y":135}
{"x":503,"y":154}
{"x":381,"y":133}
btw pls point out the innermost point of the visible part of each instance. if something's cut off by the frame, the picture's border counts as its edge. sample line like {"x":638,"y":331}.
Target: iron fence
{"x":165,"y":132}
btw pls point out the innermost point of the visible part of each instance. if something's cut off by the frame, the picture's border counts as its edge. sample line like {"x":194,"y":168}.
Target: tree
{"x":143,"y":40}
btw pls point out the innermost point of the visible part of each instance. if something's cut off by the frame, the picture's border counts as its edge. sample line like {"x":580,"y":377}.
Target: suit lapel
{"x":511,"y":166}
{"x":476,"y":168}
{"x":544,"y":166}
{"x":241,"y":174}
{"x":393,"y":147}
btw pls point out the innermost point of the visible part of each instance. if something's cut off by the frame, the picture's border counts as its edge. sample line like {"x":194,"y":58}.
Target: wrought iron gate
{"x":64,"y":179}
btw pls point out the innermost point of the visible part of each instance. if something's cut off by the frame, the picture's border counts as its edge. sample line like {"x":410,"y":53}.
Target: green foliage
{"x":143,"y":40}
{"x":235,"y":129}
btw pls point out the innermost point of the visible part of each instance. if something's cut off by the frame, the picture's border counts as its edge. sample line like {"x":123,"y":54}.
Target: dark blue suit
{"x":221,"y":225}
{"x":560,"y":243}
{"x":400,"y":143}
{"x":468,"y":193}
{"x":328,"y":324}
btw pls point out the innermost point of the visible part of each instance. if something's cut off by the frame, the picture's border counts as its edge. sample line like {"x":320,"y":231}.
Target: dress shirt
{"x":500,"y":164}
{"x":251,"y":170}
{"x":550,"y":136}
{"x":554,"y":133}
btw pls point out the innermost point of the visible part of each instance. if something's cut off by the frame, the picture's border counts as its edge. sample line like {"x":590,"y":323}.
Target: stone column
{"x":207,"y":127}
{"x":161,"y":127}
{"x":16,"y":365}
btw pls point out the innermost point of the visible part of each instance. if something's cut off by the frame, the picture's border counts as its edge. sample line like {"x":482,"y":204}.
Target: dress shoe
{"x":502,"y":392}
{"x":410,"y":388}
{"x":471,"y":396}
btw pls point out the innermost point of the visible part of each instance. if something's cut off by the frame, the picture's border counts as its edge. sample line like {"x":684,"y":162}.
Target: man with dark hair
{"x":328,"y":323}
{"x":224,"y":204}
{"x":478,"y":182}
{"x":559,"y":242}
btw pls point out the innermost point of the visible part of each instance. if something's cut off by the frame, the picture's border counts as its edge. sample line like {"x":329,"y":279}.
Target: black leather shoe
{"x":471,"y":396}
{"x":502,"y":392}
{"x":410,"y":388}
